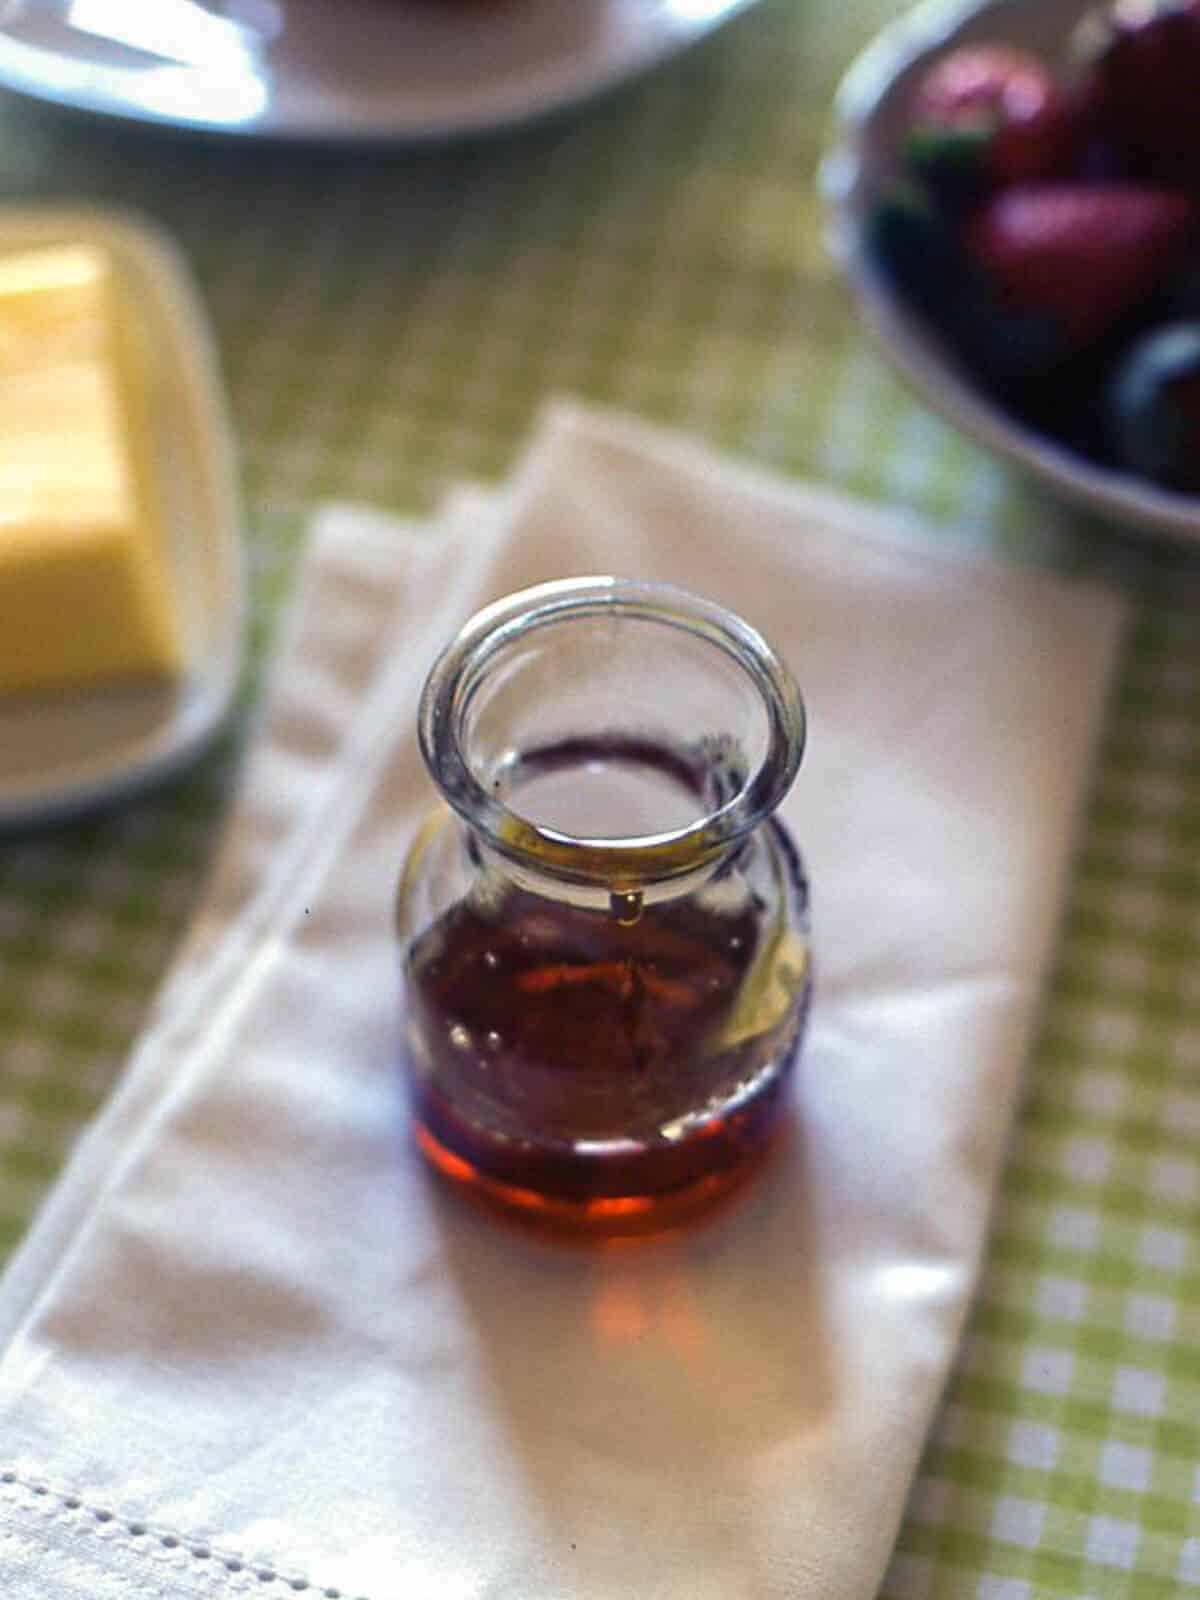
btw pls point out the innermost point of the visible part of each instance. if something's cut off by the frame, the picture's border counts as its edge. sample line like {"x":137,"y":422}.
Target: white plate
{"x":339,"y":70}
{"x":64,"y":753}
{"x":872,"y":111}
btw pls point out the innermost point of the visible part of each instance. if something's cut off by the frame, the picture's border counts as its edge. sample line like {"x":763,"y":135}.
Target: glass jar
{"x":604,"y":930}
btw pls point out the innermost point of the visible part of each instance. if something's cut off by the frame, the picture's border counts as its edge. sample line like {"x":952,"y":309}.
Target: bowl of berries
{"x":1014,"y":193}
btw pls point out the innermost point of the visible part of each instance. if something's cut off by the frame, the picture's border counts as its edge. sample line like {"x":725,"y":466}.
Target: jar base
{"x":596,"y":1199}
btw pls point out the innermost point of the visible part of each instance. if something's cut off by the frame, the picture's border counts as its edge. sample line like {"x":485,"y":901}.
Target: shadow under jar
{"x":604,"y":932}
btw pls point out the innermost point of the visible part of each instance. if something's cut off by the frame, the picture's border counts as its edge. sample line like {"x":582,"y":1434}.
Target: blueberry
{"x":911,"y":240}
{"x":1181,"y":292}
{"x":917,"y":246}
{"x":1001,"y":342}
{"x":954,"y":164}
{"x":1153,"y":406}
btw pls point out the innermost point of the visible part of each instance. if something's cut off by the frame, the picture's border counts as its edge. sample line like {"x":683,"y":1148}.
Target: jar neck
{"x":623,"y":899}
{"x":610,"y":741}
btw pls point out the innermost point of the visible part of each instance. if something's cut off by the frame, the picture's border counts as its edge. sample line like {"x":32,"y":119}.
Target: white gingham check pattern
{"x":392,"y":322}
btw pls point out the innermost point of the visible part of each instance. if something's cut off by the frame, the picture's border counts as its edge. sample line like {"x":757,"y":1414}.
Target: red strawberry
{"x":1086,"y":254}
{"x":997,"y":107}
{"x":1139,"y":83}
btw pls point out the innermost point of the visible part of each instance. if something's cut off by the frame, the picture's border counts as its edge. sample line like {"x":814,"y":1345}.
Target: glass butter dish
{"x":604,"y":931}
{"x":122,"y":591}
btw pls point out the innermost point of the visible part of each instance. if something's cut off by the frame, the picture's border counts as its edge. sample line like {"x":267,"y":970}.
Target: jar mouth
{"x":625,"y":860}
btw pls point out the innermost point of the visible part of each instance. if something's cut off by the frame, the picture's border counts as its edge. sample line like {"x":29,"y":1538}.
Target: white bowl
{"x":872,"y":111}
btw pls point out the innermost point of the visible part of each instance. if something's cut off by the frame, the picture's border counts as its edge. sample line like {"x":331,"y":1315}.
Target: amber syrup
{"x":614,"y":1075}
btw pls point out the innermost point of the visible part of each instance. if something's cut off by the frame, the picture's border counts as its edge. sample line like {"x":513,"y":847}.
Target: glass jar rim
{"x":619,"y":862}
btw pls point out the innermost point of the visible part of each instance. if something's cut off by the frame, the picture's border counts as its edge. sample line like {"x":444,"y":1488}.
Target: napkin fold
{"x":334,"y":633}
{"x":251,"y":1347}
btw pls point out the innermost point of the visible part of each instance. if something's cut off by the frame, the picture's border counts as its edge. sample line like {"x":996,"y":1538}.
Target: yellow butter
{"x":85,"y":582}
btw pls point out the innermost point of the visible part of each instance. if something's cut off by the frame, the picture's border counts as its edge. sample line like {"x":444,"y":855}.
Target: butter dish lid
{"x":65,"y":752}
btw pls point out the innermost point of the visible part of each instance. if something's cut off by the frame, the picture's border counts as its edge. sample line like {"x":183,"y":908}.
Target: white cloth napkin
{"x":250,"y":1347}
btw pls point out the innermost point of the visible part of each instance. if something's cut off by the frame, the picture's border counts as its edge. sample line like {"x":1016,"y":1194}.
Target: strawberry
{"x":1137,"y":80}
{"x":988,"y":115}
{"x":1085,"y":254}
{"x":917,"y":247}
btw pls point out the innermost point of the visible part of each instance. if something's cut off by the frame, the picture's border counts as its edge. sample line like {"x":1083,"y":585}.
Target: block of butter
{"x":86,"y":589}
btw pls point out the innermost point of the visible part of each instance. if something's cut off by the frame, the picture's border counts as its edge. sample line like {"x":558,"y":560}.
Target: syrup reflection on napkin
{"x":296,"y":1354}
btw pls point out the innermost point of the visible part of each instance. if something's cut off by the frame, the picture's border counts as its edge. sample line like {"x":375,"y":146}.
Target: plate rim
{"x":865,"y":90}
{"x":185,"y":732}
{"x":414,"y":133}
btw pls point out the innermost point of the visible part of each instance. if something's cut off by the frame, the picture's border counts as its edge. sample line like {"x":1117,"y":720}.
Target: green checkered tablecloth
{"x":390,"y":322}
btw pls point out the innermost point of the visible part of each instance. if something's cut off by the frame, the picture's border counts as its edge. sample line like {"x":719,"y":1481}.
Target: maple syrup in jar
{"x":604,"y":930}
